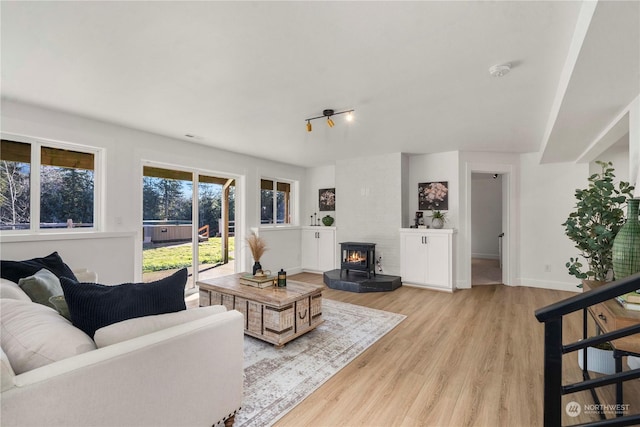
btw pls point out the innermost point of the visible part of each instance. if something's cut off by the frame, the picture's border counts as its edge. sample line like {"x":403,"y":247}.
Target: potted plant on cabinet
{"x":438,"y":218}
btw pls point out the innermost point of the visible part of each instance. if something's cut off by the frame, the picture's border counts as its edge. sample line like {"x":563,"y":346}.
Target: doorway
{"x":486,"y":229}
{"x":187,"y":216}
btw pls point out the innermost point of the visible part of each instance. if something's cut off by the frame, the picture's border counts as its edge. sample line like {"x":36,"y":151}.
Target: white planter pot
{"x":633,"y":362}
{"x":600,"y":361}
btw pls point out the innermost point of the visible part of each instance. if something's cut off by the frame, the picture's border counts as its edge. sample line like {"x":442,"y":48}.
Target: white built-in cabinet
{"x":319,"y":251}
{"x":426,"y":257}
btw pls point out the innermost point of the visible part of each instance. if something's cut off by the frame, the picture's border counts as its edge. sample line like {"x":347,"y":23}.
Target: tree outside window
{"x":66,"y":193}
{"x":15,"y":185}
{"x":275,"y":202}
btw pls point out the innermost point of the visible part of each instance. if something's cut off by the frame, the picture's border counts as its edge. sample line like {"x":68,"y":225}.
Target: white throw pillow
{"x":11,"y":290}
{"x":133,"y":328}
{"x":34,"y":335}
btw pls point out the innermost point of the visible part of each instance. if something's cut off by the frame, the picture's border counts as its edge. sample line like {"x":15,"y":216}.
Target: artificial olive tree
{"x":595,"y":222}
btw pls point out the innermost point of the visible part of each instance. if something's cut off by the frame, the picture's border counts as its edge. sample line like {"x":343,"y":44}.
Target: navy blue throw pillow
{"x":93,"y":306}
{"x":16,"y":270}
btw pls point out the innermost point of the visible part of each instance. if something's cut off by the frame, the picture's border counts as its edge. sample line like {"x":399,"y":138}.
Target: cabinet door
{"x":309,"y":255}
{"x":414,"y":254}
{"x":326,"y":250}
{"x":437,"y":268}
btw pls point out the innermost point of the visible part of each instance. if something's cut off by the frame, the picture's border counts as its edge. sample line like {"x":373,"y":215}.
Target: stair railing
{"x":552,"y":316}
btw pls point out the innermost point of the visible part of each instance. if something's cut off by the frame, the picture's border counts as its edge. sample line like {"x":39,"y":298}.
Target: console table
{"x":610,"y":316}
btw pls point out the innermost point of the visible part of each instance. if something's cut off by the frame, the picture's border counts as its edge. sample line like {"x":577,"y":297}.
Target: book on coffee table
{"x":257,"y":281}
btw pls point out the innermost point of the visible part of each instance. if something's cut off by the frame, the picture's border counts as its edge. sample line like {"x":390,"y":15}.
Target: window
{"x":47,"y":186}
{"x":275,"y":202}
{"x":66,"y":188}
{"x":15,"y":184}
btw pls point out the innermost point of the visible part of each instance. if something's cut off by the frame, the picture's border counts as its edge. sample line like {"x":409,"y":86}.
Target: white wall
{"x":634,"y":145}
{"x":375,"y":196}
{"x":110,"y":255}
{"x":369,"y":205}
{"x":284,"y":250}
{"x":618,"y":154}
{"x":429,"y":168}
{"x":126,"y":150}
{"x":486,"y":221}
{"x":404,"y":179}
{"x":546,"y":199}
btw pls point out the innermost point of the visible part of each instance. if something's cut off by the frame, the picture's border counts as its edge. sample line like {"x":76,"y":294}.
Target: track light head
{"x":328,"y":113}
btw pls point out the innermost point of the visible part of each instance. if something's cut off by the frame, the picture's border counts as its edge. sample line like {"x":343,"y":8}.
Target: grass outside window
{"x":180,"y":255}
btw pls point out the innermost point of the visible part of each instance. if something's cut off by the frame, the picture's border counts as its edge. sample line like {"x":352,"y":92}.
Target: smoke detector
{"x":499,"y":70}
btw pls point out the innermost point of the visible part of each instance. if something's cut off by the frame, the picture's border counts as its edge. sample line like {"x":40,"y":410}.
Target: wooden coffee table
{"x":276,"y":315}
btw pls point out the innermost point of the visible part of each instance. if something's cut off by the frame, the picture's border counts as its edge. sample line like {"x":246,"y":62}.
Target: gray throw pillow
{"x":60,"y":304}
{"x":41,"y":286}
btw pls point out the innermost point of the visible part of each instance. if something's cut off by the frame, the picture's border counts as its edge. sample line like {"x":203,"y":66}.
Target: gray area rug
{"x":276,"y":380}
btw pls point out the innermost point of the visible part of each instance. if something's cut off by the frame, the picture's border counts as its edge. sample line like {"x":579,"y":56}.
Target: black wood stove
{"x":358,"y":256}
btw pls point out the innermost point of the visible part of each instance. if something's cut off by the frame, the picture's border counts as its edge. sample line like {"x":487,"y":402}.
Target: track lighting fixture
{"x":328,"y":113}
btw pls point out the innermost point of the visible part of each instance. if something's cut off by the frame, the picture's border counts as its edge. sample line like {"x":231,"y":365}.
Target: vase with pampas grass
{"x":258,"y":246}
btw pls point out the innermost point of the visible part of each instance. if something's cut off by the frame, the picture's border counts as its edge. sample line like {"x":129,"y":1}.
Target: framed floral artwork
{"x":327,"y":199}
{"x":433,"y":196}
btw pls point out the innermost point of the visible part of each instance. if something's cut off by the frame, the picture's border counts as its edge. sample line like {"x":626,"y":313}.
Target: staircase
{"x":554,"y":349}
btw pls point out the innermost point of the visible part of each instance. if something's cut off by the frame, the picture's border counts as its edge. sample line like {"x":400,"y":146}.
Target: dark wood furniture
{"x":610,"y":316}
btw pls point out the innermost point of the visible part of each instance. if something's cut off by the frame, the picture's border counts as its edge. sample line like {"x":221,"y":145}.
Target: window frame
{"x":36,"y":144}
{"x":293,"y":202}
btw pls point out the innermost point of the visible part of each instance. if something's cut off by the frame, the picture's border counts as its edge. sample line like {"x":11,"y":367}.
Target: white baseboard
{"x":548,"y":284}
{"x":463,"y":284}
{"x":431,"y":288}
{"x":296,"y":270}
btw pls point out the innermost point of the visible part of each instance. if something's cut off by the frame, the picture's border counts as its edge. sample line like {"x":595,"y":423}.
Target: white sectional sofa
{"x":177,"y":369}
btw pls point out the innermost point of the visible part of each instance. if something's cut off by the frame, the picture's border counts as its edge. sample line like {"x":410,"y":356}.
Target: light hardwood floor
{"x":474,"y":357}
{"x":485,"y":272}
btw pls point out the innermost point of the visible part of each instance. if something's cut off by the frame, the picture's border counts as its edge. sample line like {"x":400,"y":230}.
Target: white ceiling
{"x":244,"y":76}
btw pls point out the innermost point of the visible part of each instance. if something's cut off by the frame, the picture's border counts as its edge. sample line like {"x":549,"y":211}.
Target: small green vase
{"x":626,"y":245}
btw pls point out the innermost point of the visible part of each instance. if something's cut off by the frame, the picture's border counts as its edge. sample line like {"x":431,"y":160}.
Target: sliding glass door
{"x":180,"y":208}
{"x":216,"y":226}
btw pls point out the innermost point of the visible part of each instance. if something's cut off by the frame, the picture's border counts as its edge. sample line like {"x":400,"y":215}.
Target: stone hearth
{"x":359,"y":282}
